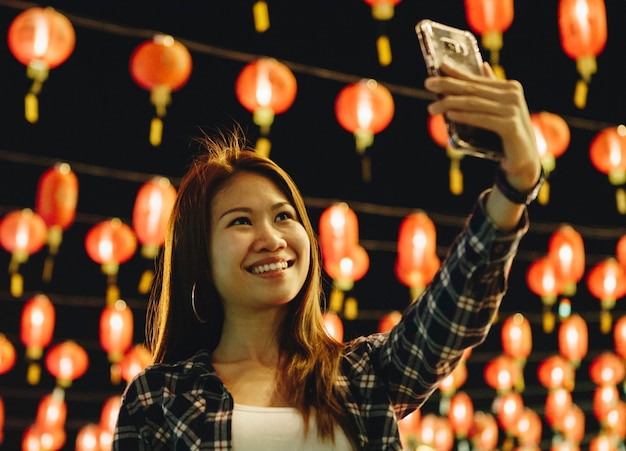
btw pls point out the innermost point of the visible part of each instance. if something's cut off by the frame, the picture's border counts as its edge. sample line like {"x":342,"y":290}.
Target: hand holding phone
{"x":442,"y":43}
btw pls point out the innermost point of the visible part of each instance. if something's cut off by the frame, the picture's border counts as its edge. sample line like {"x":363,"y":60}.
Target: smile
{"x":277,"y":266}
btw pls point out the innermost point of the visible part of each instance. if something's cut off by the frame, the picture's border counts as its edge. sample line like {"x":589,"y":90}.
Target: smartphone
{"x":440,"y":43}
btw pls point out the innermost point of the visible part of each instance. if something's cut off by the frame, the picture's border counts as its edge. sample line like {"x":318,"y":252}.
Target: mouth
{"x":270,"y":267}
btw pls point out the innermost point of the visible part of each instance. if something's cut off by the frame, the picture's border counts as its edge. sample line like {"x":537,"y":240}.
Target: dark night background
{"x":93,"y":116}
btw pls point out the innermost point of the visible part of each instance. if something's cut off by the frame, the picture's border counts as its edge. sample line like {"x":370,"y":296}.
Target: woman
{"x":241,"y":356}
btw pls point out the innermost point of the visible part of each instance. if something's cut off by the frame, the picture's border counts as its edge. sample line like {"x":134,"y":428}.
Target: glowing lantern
{"x":453,"y":381}
{"x":607,"y":369}
{"x":108,"y":419}
{"x":605,"y":398}
{"x":37,"y":439}
{"x":602,"y":442}
{"x":607,"y":152}
{"x":543,"y":280}
{"x":490,"y":19}
{"x":333,"y":325}
{"x":573,"y":339}
{"x":135,"y":361}
{"x":161,"y":65}
{"x":364,"y":108}
{"x":435,"y":432}
{"x":619,"y":336}
{"x":87,"y":438}
{"x":41,"y":39}
{"x":557,"y":402}
{"x":151,"y":212}
{"x":606,"y":281}
{"x":567,"y":250}
{"x":461,"y":414}
{"x":620,"y":251}
{"x":552,"y":136}
{"x":52,"y":411}
{"x":67,"y":361}
{"x":517,"y":342}
{"x":383,"y":11}
{"x":556,"y":372}
{"x":438,"y":131}
{"x":36,"y":328}
{"x":111,"y":243}
{"x":22,"y":233}
{"x":615,"y":422}
{"x":261,"y":15}
{"x":7,"y":355}
{"x":408,"y":427}
{"x":57,"y":196}
{"x":388,"y":321}
{"x":348,"y":268}
{"x":509,"y":407}
{"x":501,"y":373}
{"x":484,"y":431}
{"x":265,"y":87}
{"x":572,"y":424}
{"x":116,"y":335}
{"x":583,"y":32}
{"x":527,"y":428}
{"x":416,"y":261}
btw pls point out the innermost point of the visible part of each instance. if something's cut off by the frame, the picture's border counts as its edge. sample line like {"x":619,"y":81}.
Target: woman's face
{"x":260,"y":252}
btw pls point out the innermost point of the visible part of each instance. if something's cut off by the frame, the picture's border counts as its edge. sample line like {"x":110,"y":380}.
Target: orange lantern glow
{"x":461,"y":414}
{"x":416,"y":260}
{"x":333,"y":325}
{"x":490,"y":19}
{"x":67,"y":361}
{"x":528,"y":427}
{"x":349,"y":267}
{"x":607,"y":152}
{"x":517,"y":342}
{"x":7,"y":355}
{"x":36,"y":328}
{"x":57,"y":197}
{"x":607,"y":369}
{"x":509,"y":407}
{"x":556,"y":372}
{"x":620,"y":251}
{"x":607,"y":282}
{"x":572,"y":424}
{"x":552,"y":136}
{"x":108,"y":418}
{"x":265,"y":87}
{"x":583,"y":32}
{"x":388,"y":321}
{"x":41,"y":39}
{"x":557,"y":402}
{"x":543,"y":280}
{"x":453,"y":381}
{"x":52,"y":411}
{"x":615,"y":423}
{"x":364,"y":108}
{"x":501,"y":373}
{"x":22,"y":233}
{"x":574,"y":339}
{"x":605,"y":398}
{"x":135,"y":361}
{"x":484,"y":431}
{"x":160,"y":65}
{"x":435,"y":432}
{"x":111,"y":243}
{"x":408,"y":427}
{"x":152,"y":209}
{"x":87,"y":438}
{"x":383,"y":11}
{"x":619,"y":336}
{"x":567,"y":250}
{"x":438,"y":131}
{"x":37,"y":439}
{"x":116,"y":335}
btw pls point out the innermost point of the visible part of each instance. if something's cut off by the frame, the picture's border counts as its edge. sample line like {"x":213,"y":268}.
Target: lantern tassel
{"x":336,"y":300}
{"x":351,"y":308}
{"x":383,"y":48}
{"x":366,"y":168}
{"x":620,"y":200}
{"x":261,"y":16}
{"x":38,"y":72}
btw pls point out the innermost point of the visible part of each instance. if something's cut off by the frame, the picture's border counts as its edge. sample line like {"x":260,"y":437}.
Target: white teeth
{"x":269,"y":267}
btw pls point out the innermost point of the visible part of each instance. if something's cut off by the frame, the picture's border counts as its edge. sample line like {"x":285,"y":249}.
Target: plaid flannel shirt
{"x":385,"y":376}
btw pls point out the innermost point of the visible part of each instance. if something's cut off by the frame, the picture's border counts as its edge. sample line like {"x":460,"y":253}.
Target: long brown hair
{"x":310,"y":359}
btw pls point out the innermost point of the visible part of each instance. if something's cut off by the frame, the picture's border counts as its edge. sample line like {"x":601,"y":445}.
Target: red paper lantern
{"x":461,"y":414}
{"x":52,"y":411}
{"x":501,"y":373}
{"x":383,"y":11}
{"x":41,"y":39}
{"x":567,"y":250}
{"x":607,"y":152}
{"x":484,"y":431}
{"x":22,"y":233}
{"x":583,"y":32}
{"x":453,"y":381}
{"x":7,"y":356}
{"x":619,"y":336}
{"x":338,"y":230}
{"x":135,"y":361}
{"x":36,"y":329}
{"x":364,"y":108}
{"x":87,"y":438}
{"x":57,"y":197}
{"x":111,"y":243}
{"x":67,"y":361}
{"x":543,"y":280}
{"x":490,"y":19}
{"x":607,"y":369}
{"x":557,"y":402}
{"x":605,"y":398}
{"x":573,"y":339}
{"x":333,"y":325}
{"x":516,"y":337}
{"x":265,"y":87}
{"x":37,"y":439}
{"x":161,"y":65}
{"x":572,"y":424}
{"x":436,"y":432}
{"x":349,"y":267}
{"x":109,"y":413}
{"x":388,"y":321}
{"x":528,"y":427}
{"x":509,"y":407}
{"x":556,"y":372}
{"x":116,"y":335}
{"x":607,"y":282}
{"x":408,"y":427}
{"x":615,"y":423}
{"x":620,"y":251}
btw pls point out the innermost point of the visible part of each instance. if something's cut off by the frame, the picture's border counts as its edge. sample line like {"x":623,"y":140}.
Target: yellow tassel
{"x":261,"y":16}
{"x":351,"y":309}
{"x":17,"y":285}
{"x":31,"y":108}
{"x":383,"y":47}
{"x":156,"y":131}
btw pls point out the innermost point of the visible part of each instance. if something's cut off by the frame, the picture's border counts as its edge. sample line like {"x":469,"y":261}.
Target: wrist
{"x":514,"y":195}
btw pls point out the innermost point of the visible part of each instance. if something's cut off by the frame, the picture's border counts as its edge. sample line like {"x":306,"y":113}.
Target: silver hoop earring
{"x":193,"y":305}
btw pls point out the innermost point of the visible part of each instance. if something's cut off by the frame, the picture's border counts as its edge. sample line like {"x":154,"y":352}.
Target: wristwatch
{"x":512,"y":194}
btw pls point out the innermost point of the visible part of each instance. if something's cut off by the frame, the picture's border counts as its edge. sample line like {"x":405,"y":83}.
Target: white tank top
{"x":279,"y":429}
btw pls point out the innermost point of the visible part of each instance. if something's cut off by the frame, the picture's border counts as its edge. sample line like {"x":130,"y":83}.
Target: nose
{"x":269,"y":238}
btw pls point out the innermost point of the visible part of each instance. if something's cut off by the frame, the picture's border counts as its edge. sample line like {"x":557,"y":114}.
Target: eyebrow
{"x":248,"y":210}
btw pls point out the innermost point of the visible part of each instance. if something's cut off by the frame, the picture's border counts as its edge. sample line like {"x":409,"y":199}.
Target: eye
{"x":284,"y":215}
{"x":242,"y":220}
